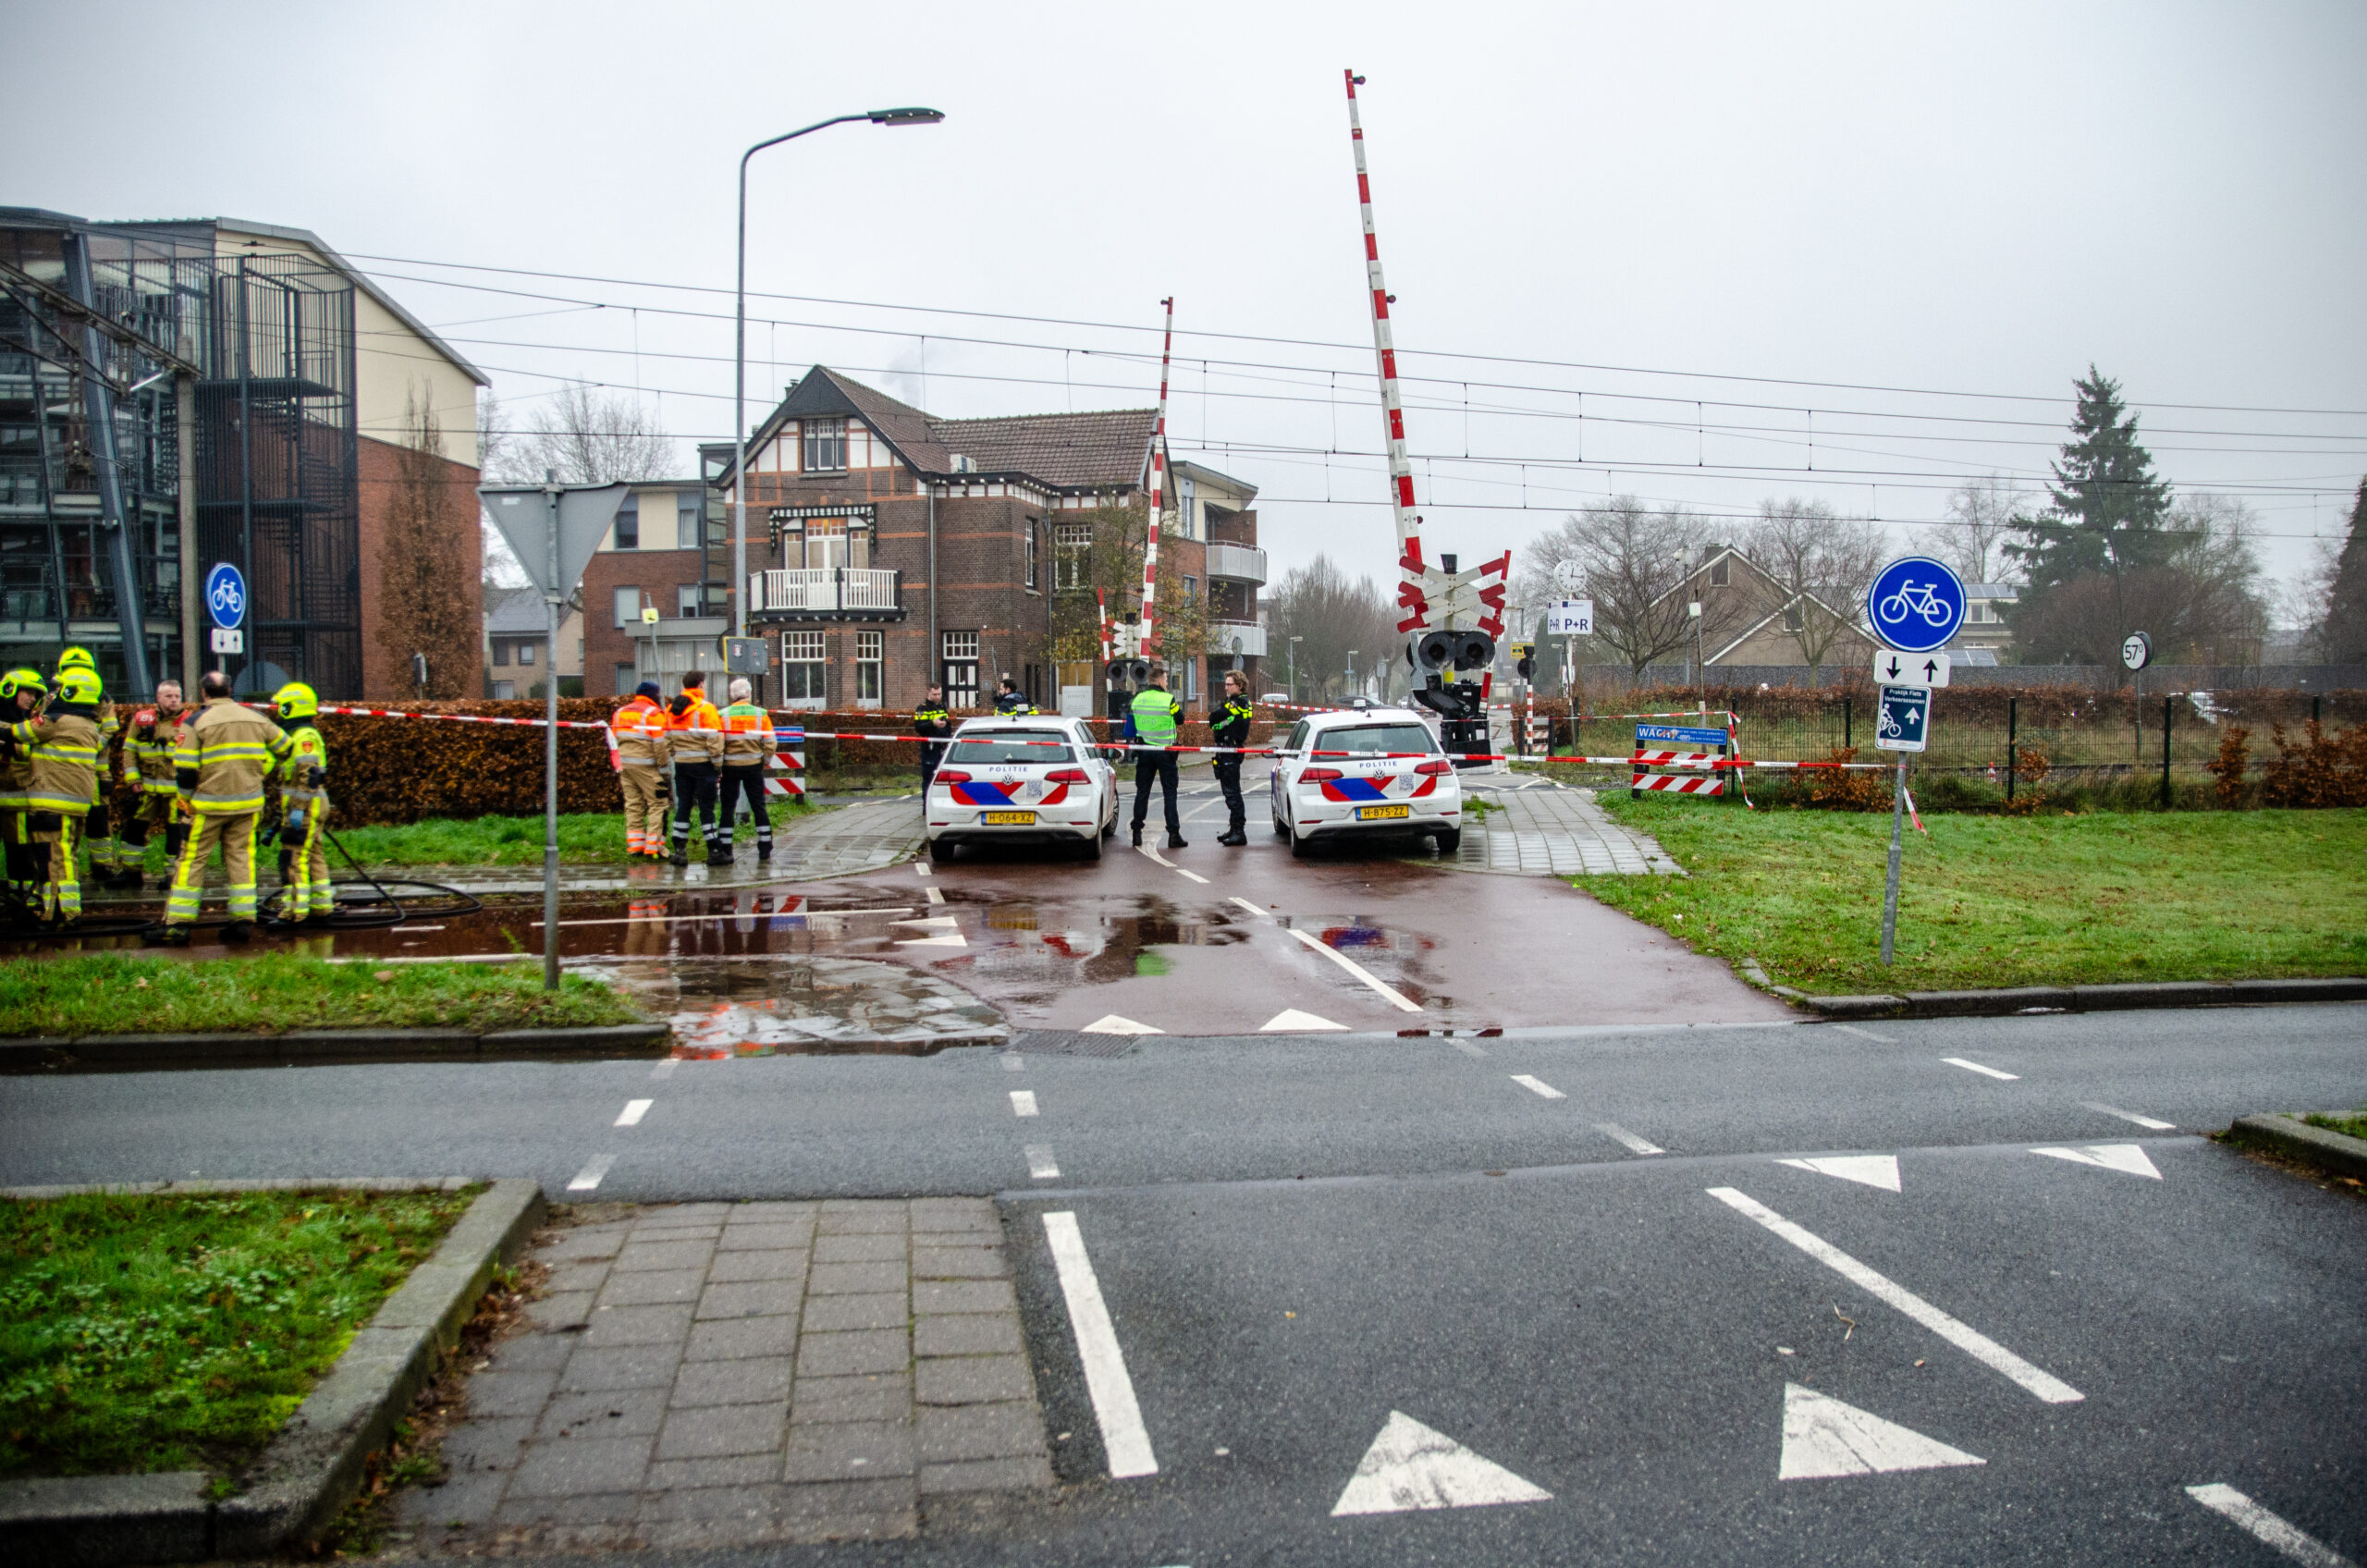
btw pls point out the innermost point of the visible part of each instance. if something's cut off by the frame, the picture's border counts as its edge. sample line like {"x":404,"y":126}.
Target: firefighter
{"x":695,"y":740}
{"x":148,"y":757}
{"x":306,"y":892}
{"x":100,"y":827}
{"x":219,"y":765}
{"x":748,"y":744}
{"x":1230,"y":726}
{"x":61,"y":743}
{"x":1157,"y":717}
{"x":639,"y":728}
{"x":930,"y":718}
{"x":22,"y":695}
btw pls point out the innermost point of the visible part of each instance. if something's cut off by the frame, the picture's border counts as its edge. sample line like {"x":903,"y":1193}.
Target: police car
{"x":1364,"y":770}
{"x":1024,"y":778}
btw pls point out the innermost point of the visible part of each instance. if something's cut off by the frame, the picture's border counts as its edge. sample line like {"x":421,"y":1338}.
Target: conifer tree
{"x":2343,"y":635}
{"x":2109,"y":508}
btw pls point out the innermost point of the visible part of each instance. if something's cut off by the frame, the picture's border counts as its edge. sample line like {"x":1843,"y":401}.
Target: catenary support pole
{"x":1890,"y":888}
{"x":551,"y":598}
{"x":185,"y":483}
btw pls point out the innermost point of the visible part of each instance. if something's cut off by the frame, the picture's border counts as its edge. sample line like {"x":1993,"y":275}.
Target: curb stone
{"x":105,"y":1053}
{"x":312,"y":1468}
{"x":2288,"y":1135}
{"x":2079,"y":999}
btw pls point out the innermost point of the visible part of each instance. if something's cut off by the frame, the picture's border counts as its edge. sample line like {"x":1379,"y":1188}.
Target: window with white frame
{"x":825,"y":443}
{"x":686,"y":516}
{"x":803,"y":669}
{"x":525,"y":653}
{"x":627,"y":607}
{"x":686,"y":600}
{"x":1035,"y":583}
{"x":629,"y":525}
{"x":870,"y":657}
{"x":1071,"y":556}
{"x":959,"y":668}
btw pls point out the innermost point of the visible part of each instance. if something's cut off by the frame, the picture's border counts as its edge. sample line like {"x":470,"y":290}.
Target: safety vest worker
{"x":101,"y":827}
{"x":639,"y":729}
{"x":694,"y":737}
{"x":148,"y":757}
{"x":219,"y":765}
{"x":306,"y":892}
{"x":62,"y":745}
{"x":1157,"y":716}
{"x":749,"y":742}
{"x":22,"y":695}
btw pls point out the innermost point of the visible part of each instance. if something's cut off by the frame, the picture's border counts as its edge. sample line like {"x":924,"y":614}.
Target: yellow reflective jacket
{"x":63,"y":747}
{"x":224,"y":754}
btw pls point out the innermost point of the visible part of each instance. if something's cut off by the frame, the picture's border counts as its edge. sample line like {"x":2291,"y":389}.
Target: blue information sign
{"x":225,"y":596}
{"x":1664,"y":733}
{"x":1905,"y":722}
{"x":1915,"y":604}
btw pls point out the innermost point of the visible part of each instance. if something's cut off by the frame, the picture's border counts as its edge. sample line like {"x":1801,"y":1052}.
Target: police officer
{"x":1230,"y":726}
{"x":748,"y":744}
{"x":930,"y":718}
{"x":220,"y":761}
{"x":61,"y":743}
{"x":22,"y":695}
{"x":1157,"y":717}
{"x":694,"y":737}
{"x":306,"y":892}
{"x":148,"y":756}
{"x":1009,"y":704}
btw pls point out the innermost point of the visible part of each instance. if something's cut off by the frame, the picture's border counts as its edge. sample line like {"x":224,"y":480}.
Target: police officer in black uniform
{"x":1009,"y":704}
{"x":1229,"y":726}
{"x":930,"y":718}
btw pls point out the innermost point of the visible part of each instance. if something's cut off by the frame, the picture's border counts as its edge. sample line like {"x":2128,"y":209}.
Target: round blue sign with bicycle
{"x":1915,"y":604}
{"x":225,"y":596}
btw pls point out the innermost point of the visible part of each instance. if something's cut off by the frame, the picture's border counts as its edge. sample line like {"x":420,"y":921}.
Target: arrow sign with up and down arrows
{"x":1911,"y":669}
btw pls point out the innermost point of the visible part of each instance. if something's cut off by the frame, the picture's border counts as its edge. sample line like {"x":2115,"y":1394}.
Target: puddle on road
{"x":812,"y":1005}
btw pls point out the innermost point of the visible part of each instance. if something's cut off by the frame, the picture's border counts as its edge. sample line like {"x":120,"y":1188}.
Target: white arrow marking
{"x":1291,"y":1019}
{"x":2226,"y":1499}
{"x":1867,"y":1170}
{"x":1823,"y":1437}
{"x":1113,"y":1024}
{"x":950,"y":939}
{"x":1410,"y":1466}
{"x":941,"y":922}
{"x":2126,"y":1158}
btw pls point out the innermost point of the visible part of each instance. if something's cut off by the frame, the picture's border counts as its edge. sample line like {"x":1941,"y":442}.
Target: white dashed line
{"x":1358,"y":970}
{"x":2145,"y":1122}
{"x":1013,"y":1062}
{"x":1252,"y":909}
{"x":1975,"y":1066}
{"x":665,"y":1069}
{"x":1982,"y":1348}
{"x":936,"y":894}
{"x":919,"y":868}
{"x":1865,"y":1034}
{"x":589,"y":1177}
{"x":1123,"y":1437}
{"x":1468,"y":1049}
{"x":1538,"y":1088}
{"x":1639,"y":1145}
{"x":1023,"y":1102}
{"x":634,"y":1110}
{"x":1040,"y":1163}
{"x":1192,"y":875}
{"x":2228,"y":1502}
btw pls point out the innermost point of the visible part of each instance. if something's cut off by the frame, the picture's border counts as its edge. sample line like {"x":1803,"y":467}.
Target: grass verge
{"x":2351,"y":1126}
{"x":117,"y":993}
{"x":143,"y":1333}
{"x":584,"y":838}
{"x":1988,"y":901}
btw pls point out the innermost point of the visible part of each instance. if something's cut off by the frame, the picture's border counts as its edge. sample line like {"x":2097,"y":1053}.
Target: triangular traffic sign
{"x":1291,"y":1019}
{"x":1869,"y":1170}
{"x":2126,"y":1158}
{"x":1410,"y":1466}
{"x":1113,"y":1024}
{"x":1823,"y":1438}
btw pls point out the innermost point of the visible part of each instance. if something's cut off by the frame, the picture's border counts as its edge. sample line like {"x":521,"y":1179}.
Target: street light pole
{"x":740,"y":352}
{"x":1293,"y":653}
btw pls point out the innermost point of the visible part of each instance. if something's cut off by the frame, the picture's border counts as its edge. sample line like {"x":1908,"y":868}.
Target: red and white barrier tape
{"x":1680,"y":786}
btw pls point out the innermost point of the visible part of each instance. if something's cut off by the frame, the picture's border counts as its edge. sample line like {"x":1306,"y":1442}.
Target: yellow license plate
{"x":1008,"y":818}
{"x":1380,"y":814}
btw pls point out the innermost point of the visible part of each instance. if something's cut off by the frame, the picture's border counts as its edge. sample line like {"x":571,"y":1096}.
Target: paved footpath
{"x":1540,"y":827}
{"x":714,"y":1373}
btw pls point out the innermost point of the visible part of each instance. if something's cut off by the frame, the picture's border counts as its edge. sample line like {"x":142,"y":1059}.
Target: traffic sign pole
{"x":552,"y":594}
{"x":1890,"y":890}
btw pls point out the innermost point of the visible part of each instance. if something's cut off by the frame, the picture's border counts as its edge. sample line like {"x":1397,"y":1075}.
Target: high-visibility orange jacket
{"x":694,"y":734}
{"x":640,"y":729}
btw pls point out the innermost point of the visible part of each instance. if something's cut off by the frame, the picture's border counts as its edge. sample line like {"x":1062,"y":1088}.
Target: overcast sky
{"x":1646,"y":203}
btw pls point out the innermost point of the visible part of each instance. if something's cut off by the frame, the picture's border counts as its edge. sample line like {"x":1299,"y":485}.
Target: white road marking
{"x":919,"y":868}
{"x":686,"y":919}
{"x":1040,"y":1163}
{"x":935,"y":921}
{"x":2226,"y":1500}
{"x":2127,"y":1158}
{"x":1865,"y":1034}
{"x":1410,"y":1466}
{"x":413,"y":930}
{"x":1123,"y":1439}
{"x":1023,"y":1102}
{"x":1986,"y":1351}
{"x":1192,"y":875}
{"x":1291,"y":1019}
{"x":1975,"y":1066}
{"x":1539,"y":1086}
{"x":1468,"y":1049}
{"x":936,"y":894}
{"x":589,"y":1177}
{"x":1640,"y":1146}
{"x":1253,"y":909}
{"x":665,"y":1069}
{"x":1111,"y":1023}
{"x":950,"y":939}
{"x":634,"y":1110}
{"x":2145,"y":1122}
{"x":1358,"y":970}
{"x":1013,"y":1062}
{"x":1823,"y":1437}
{"x":1153,"y":852}
{"x":1867,"y":1170}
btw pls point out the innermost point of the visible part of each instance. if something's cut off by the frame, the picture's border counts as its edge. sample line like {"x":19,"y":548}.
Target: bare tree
{"x":1332,"y":614}
{"x":1981,"y":518}
{"x":2204,"y":604}
{"x":424,"y":606}
{"x":1824,"y":563}
{"x":590,"y":438}
{"x":1631,"y":561}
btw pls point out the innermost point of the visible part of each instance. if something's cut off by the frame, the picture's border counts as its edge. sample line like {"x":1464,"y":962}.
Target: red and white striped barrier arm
{"x":1412,"y":588}
{"x":1679,"y":786}
{"x":1157,"y":488}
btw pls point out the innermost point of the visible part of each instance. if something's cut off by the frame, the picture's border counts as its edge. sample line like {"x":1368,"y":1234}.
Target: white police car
{"x":1023,"y":779}
{"x":1361,"y":771}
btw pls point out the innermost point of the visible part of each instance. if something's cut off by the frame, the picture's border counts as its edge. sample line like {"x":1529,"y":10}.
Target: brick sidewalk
{"x":1545,"y":828}
{"x":711,"y":1375}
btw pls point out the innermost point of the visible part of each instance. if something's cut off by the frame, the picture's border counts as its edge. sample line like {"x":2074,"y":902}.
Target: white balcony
{"x":1237,"y":563}
{"x":1236,"y":637}
{"x":825,"y":591}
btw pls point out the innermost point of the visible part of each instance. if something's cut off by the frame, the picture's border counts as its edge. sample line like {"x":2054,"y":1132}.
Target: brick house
{"x":890,"y":549}
{"x":669,"y":550}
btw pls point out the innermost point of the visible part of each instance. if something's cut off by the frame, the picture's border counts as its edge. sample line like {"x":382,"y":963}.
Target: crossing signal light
{"x":1528,"y":667}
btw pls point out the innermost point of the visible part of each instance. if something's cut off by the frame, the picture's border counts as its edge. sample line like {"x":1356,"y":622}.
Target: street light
{"x":1293,"y":653}
{"x":739,"y":350}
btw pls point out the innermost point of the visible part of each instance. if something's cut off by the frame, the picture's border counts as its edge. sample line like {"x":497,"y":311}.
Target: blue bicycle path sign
{"x":1915,"y":604}
{"x":225,"y":596}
